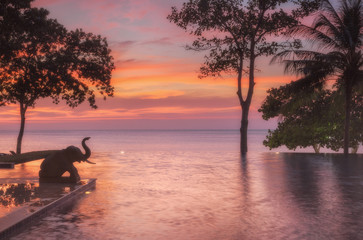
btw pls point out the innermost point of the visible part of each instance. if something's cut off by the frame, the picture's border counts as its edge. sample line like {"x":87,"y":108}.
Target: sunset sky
{"x":156,"y":80}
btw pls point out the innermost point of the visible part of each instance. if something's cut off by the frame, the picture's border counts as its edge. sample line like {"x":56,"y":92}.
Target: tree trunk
{"x":316,"y":148}
{"x":244,"y":127}
{"x":245,"y":105}
{"x":354,"y":149}
{"x":22,"y":126}
{"x":348,"y":96}
{"x":244,"y":118}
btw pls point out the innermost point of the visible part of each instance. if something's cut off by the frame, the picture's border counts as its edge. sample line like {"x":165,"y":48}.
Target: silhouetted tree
{"x":316,"y":121}
{"x":40,"y":58}
{"x":236,"y":33}
{"x":338,"y":36}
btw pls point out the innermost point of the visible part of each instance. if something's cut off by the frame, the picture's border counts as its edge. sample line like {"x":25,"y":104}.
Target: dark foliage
{"x":40,"y":58}
{"x":338,"y":36}
{"x":317,"y":121}
{"x":235,"y":33}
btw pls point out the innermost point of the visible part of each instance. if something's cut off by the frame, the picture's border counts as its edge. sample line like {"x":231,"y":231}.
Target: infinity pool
{"x":155,"y":187}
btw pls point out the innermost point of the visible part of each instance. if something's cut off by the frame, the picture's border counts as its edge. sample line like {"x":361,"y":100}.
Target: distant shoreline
{"x":151,"y":130}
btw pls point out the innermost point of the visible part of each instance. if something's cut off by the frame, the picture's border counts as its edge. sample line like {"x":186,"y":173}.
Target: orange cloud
{"x":155,"y":77}
{"x":158,"y":94}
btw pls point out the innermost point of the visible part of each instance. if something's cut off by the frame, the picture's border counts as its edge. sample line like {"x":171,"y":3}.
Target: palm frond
{"x":331,"y":29}
{"x":315,"y":36}
{"x":303,"y":54}
{"x":309,"y":67}
{"x":329,"y":10}
{"x":352,"y":17}
{"x":339,"y":36}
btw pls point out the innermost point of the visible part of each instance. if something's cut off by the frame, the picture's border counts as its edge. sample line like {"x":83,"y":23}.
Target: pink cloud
{"x":156,"y":78}
{"x":160,"y":41}
{"x":44,"y":3}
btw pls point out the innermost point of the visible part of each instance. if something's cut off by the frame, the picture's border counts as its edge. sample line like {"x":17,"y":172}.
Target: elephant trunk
{"x":87,"y":151}
{"x":86,"y":148}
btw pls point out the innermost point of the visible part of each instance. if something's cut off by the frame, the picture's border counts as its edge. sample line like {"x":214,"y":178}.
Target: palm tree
{"x":338,"y":36}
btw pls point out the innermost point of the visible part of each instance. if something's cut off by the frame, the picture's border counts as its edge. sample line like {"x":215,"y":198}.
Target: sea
{"x":195,"y":185}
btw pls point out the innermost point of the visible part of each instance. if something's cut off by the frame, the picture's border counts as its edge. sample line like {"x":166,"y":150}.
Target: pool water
{"x":195,"y":185}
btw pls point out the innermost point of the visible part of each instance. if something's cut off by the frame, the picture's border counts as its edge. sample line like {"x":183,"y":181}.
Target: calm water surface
{"x":195,"y":185}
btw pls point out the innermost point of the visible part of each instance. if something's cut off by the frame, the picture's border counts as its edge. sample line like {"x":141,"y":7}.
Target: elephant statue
{"x":61,"y":161}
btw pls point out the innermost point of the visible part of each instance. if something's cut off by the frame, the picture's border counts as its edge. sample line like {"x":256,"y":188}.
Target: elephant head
{"x":75,"y":154}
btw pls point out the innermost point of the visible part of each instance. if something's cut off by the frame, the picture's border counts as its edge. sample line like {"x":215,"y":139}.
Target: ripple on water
{"x":197,"y":192}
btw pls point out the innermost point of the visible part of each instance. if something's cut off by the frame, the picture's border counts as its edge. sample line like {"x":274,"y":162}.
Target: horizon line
{"x":135,"y":129}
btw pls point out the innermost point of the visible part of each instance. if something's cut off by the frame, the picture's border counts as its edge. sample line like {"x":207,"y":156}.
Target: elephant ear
{"x":73,"y":154}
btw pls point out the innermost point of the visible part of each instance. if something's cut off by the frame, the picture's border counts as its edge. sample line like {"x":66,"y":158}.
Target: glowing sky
{"x":156,"y":79}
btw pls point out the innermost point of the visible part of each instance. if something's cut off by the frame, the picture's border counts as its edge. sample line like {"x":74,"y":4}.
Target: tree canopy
{"x":337,"y":36}
{"x":316,"y":122}
{"x":40,"y":58}
{"x":235,"y":33}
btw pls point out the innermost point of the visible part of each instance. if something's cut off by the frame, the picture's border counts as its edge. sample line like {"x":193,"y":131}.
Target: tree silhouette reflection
{"x":17,"y":194}
{"x":12,"y":195}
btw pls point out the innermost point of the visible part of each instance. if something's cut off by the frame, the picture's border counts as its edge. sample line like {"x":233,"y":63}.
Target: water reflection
{"x":12,"y":195}
{"x":214,"y":195}
{"x":245,"y":176}
{"x":302,"y":181}
{"x":31,"y":194}
{"x":349,"y":176}
{"x":295,"y":196}
{"x":326,"y":194}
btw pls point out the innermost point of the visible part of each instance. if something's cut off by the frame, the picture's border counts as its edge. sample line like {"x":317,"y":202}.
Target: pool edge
{"x":18,"y":225}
